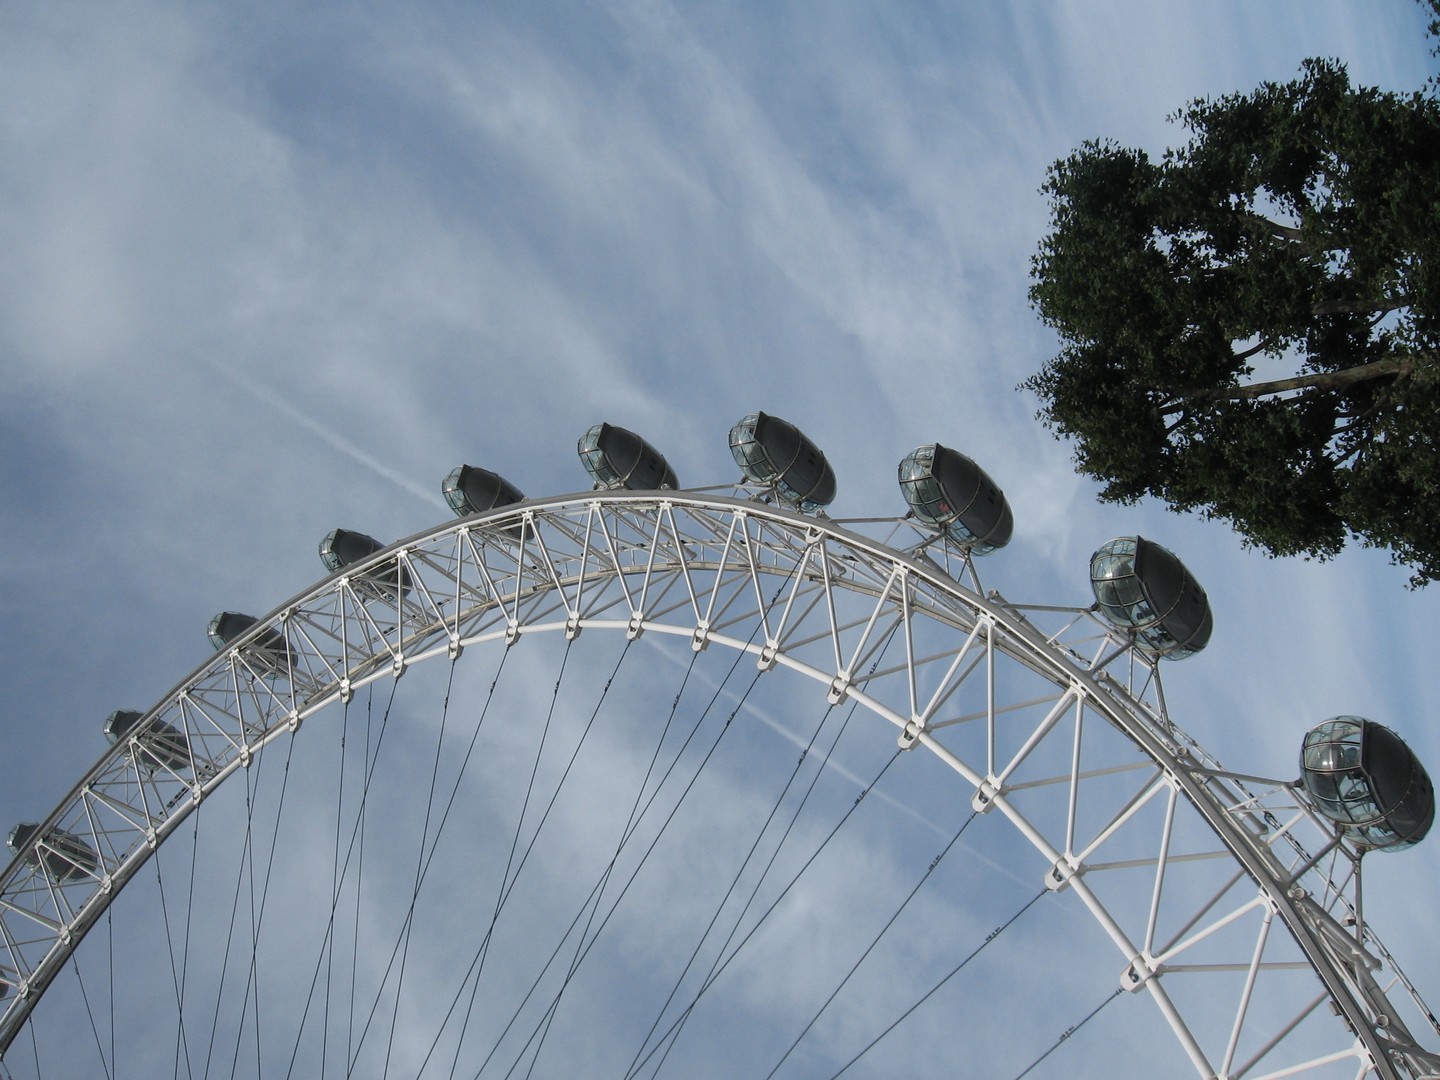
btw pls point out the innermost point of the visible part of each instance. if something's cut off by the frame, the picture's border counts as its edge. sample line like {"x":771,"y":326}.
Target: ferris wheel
{"x":898,"y":718}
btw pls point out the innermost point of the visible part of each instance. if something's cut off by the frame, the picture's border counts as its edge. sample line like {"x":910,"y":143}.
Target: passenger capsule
{"x":158,"y":744}
{"x":1143,"y":588}
{"x":471,"y":490}
{"x":616,"y":458}
{"x":947,"y":490}
{"x":230,"y":626}
{"x":1364,"y":778}
{"x":60,"y":854}
{"x":776,"y":454}
{"x":341,"y":548}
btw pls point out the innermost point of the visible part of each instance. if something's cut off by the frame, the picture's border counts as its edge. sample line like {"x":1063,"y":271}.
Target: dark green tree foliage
{"x":1249,"y":325}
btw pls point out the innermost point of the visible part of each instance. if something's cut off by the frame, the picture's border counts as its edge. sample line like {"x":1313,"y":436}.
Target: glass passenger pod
{"x":269,"y":645}
{"x":617,"y":458}
{"x":774,"y":453}
{"x":61,"y":855}
{"x":157,"y":745}
{"x":948,"y":491}
{"x":469,"y":489}
{"x":1364,"y":778}
{"x":1142,"y":588}
{"x":341,"y":548}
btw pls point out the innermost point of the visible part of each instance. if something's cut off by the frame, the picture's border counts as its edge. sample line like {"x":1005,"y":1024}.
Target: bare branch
{"x":1394,"y":368}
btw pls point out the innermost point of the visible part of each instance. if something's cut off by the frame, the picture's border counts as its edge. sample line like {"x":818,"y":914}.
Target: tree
{"x":1249,"y":325}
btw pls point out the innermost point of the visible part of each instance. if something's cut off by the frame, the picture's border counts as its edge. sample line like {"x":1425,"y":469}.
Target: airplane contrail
{"x":269,"y":397}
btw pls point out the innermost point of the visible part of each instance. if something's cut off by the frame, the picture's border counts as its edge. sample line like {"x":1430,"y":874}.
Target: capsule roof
{"x":229,"y":626}
{"x":776,"y":454}
{"x":119,"y":724}
{"x":469,"y":489}
{"x":617,"y":458}
{"x":1363,"y":777}
{"x":341,"y":547}
{"x":947,"y":490}
{"x":1143,"y":588}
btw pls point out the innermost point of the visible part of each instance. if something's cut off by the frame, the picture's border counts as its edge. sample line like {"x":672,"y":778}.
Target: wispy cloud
{"x":470,"y":232}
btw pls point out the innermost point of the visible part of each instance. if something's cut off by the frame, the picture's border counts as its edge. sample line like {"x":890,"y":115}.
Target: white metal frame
{"x":813,"y":596}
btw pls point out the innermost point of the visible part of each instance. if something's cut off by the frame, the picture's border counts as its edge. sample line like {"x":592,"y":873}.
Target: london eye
{"x":699,"y":765}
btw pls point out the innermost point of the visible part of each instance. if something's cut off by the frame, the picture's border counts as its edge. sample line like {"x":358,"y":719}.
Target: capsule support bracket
{"x":1059,"y":876}
{"x":910,"y":735}
{"x":1137,"y":973}
{"x":984,"y":799}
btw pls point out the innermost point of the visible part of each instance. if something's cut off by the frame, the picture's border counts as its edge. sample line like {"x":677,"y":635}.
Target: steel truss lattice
{"x":1050,"y":718}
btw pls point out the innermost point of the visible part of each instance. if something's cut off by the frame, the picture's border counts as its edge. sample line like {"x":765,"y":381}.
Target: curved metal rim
{"x":518,"y":529}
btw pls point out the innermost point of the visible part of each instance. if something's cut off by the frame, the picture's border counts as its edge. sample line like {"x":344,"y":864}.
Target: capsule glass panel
{"x":949,"y":492}
{"x":774,"y":453}
{"x":469,"y":489}
{"x":60,"y":854}
{"x":342,"y":548}
{"x":156,"y":745}
{"x":1363,"y":777}
{"x":1142,"y":587}
{"x":617,"y":458}
{"x":230,"y":626}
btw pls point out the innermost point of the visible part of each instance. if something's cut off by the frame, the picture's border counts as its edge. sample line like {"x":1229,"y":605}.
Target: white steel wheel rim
{"x":712,"y":569}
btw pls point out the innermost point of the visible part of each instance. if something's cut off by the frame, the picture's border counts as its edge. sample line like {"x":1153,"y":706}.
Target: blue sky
{"x":265,"y":270}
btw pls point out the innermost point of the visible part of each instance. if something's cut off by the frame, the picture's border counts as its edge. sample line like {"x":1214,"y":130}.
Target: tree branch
{"x":1254,"y":349}
{"x":1380,"y":308}
{"x":1394,"y":368}
{"x":1280,"y":232}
